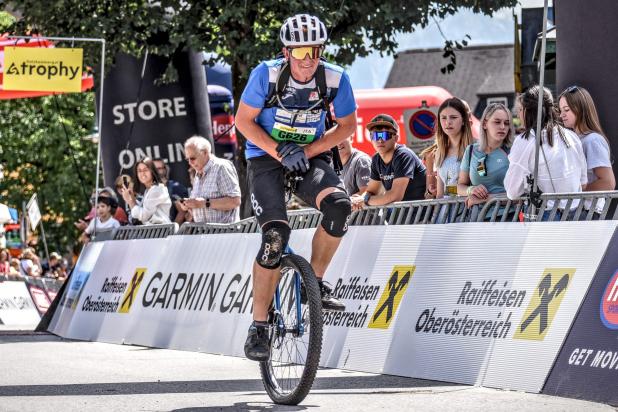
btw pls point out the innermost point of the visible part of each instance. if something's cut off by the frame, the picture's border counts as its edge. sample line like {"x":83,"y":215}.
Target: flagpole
{"x":539,"y":111}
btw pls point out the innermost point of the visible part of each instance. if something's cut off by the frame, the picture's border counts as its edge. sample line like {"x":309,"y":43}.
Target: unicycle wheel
{"x":296,"y":343}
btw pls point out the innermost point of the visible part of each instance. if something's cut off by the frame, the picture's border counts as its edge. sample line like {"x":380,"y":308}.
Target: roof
{"x":485,"y":70}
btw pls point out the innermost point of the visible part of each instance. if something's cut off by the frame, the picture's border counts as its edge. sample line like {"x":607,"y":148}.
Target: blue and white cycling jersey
{"x":287,"y":125}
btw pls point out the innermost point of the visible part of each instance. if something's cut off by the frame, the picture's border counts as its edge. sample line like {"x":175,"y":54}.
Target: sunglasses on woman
{"x":383,"y":135}
{"x":299,"y":53}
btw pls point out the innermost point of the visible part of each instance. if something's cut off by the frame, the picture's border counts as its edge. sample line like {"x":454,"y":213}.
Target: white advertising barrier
{"x":182,"y":292}
{"x":474,"y":303}
{"x":485,"y":304}
{"x":17,"y":310}
{"x":79,"y":277}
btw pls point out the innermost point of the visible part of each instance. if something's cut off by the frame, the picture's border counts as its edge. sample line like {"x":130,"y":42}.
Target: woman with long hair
{"x":578,"y":113}
{"x":154,"y":207}
{"x":562,"y":165}
{"x":485,"y":163}
{"x":454,"y":134}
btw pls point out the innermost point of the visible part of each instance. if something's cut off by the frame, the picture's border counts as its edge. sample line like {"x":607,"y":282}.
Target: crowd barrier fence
{"x":436,"y":211}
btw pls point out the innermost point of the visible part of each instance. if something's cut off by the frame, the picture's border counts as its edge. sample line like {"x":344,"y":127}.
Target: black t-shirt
{"x":405,"y":163}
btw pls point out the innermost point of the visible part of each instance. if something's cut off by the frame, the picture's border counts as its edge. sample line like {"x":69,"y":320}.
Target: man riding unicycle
{"x":282,"y":114}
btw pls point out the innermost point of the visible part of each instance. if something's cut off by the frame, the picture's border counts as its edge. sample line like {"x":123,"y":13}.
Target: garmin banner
{"x":142,"y":118}
{"x":422,"y":301}
{"x":587,"y":366}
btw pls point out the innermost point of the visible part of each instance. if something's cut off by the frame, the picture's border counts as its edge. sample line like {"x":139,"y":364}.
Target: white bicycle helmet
{"x":303,"y":30}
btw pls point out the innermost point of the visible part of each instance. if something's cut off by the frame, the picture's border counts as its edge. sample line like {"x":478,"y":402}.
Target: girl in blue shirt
{"x":485,"y":163}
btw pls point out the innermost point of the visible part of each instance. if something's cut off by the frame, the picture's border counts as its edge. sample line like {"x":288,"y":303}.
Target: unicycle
{"x":295,"y":321}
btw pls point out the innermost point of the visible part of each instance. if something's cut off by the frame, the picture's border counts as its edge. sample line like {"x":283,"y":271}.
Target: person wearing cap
{"x":285,"y":132}
{"x":394,"y":167}
{"x":106,"y":207}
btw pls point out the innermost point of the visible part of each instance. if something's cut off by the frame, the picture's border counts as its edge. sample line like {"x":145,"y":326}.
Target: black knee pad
{"x":336,"y":208}
{"x":275,"y":236}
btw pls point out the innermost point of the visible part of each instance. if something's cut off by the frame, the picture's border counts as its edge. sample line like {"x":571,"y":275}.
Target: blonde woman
{"x":454,"y":134}
{"x":485,"y":163}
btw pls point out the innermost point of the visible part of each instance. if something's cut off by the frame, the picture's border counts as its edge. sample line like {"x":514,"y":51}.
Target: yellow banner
{"x":43,"y":70}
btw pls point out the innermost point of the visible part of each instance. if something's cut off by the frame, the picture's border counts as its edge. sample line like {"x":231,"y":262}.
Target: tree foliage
{"x":42,"y":151}
{"x":240,"y":32}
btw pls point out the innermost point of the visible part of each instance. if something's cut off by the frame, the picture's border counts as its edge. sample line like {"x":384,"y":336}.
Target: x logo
{"x":389,"y":301}
{"x":544,"y":303}
{"x":129,"y":296}
{"x":547,"y":296}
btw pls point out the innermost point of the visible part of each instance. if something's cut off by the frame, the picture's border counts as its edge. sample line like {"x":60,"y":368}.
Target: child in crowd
{"x":578,"y":113}
{"x":106,"y":207}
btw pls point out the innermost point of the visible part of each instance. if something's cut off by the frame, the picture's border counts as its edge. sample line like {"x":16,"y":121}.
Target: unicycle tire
{"x":289,"y":373}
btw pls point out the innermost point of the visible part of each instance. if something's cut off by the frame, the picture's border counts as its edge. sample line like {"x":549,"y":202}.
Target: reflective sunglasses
{"x":572,"y":89}
{"x":383,"y":135}
{"x":299,"y":53}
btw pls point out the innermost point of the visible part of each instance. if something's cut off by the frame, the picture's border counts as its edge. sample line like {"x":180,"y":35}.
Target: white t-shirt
{"x":566,"y":165}
{"x":155,"y":206}
{"x":597,"y":154}
{"x":109,"y":224}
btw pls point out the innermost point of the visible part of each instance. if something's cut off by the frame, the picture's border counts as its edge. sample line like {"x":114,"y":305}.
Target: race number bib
{"x":285,"y":133}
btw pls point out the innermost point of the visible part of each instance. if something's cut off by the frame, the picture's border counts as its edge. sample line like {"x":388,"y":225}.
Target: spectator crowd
{"x":575,"y":156}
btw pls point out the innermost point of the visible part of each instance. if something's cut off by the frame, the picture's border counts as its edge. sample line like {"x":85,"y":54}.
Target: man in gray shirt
{"x":356,"y":167}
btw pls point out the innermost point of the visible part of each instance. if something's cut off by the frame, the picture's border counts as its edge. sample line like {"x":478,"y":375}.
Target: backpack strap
{"x":282,"y":80}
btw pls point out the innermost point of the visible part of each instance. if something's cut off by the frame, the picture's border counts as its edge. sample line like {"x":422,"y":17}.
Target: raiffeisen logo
{"x":544,"y":303}
{"x":609,"y":303}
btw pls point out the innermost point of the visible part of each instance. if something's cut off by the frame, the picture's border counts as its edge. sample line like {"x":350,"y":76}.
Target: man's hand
{"x":293,"y":157}
{"x":287,"y":148}
{"x":358,"y":202}
{"x":194,"y":203}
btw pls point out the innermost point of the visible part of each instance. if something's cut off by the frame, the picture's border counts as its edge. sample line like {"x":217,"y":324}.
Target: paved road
{"x":41,"y":372}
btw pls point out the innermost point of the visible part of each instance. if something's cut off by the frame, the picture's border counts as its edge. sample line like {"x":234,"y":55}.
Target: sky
{"x":372,"y":71}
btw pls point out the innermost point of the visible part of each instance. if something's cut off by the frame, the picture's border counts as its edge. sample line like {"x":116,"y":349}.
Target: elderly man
{"x":215,"y":197}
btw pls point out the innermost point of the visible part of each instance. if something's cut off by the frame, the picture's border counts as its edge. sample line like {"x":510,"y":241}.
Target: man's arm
{"x":222,"y":203}
{"x":345,"y":127}
{"x":245,"y":122}
{"x":398,"y":190}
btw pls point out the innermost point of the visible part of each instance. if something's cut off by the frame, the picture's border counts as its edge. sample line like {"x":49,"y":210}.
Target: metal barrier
{"x":144,"y":232}
{"x":423,"y":212}
{"x":244,"y":226}
{"x":494,"y":210}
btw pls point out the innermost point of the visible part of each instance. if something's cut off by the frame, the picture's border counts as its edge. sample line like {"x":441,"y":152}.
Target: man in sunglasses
{"x":397,"y":173}
{"x":282,"y":114}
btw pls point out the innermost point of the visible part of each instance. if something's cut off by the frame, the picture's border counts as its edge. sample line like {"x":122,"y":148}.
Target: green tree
{"x":42,"y":151}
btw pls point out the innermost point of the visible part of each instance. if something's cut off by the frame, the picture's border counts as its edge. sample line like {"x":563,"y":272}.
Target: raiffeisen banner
{"x":42,"y":69}
{"x":475,"y":303}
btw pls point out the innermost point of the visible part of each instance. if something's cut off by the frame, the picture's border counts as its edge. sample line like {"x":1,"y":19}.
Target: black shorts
{"x":266,"y":183}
